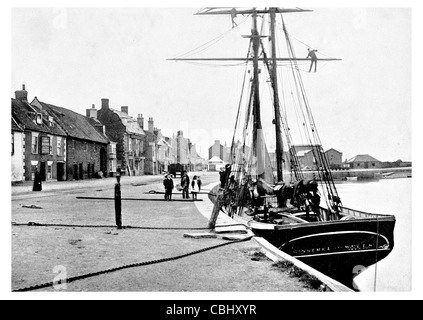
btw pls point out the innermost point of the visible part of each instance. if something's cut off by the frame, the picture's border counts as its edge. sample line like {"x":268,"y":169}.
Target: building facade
{"x":17,"y":150}
{"x":364,"y":161}
{"x":44,"y":141}
{"x":129,"y":137}
{"x":220,"y":151}
{"x":334,"y":158}
{"x":305,"y":156}
{"x":86,"y":147}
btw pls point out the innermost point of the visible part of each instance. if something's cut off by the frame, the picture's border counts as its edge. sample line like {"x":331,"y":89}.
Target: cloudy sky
{"x":73,"y":57}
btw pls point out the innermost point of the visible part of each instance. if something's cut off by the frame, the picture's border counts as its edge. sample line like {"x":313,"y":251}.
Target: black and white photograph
{"x":234,"y":151}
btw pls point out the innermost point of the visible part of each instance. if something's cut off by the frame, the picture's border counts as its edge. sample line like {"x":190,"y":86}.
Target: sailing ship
{"x":298,"y":211}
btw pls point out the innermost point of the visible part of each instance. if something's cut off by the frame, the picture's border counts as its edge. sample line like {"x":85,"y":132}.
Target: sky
{"x":74,"y":57}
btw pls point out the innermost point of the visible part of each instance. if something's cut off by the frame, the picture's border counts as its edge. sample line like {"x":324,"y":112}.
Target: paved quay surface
{"x":45,"y":254}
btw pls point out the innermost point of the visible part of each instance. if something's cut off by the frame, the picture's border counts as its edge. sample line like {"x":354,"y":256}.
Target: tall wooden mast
{"x":279,"y":143}
{"x":256,"y":58}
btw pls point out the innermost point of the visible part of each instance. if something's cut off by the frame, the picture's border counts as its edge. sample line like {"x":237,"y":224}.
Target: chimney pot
{"x":21,"y":95}
{"x":92,"y":113}
{"x":124,"y":109}
{"x":140,"y":121}
{"x":150,"y":124}
{"x":104,"y":103}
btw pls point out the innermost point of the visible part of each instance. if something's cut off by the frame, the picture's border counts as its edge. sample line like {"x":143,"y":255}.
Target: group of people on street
{"x":185,"y":185}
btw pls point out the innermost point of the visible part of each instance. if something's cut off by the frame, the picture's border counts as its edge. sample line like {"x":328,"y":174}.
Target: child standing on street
{"x":194,"y":188}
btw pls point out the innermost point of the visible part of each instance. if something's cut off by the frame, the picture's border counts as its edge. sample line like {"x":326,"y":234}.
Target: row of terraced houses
{"x":64,"y":145}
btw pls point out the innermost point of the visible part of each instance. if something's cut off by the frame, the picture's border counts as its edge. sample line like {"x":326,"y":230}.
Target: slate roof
{"x":74,"y":124}
{"x":15,"y":126}
{"x":363,"y":158}
{"x":96,"y":122}
{"x":333,"y":150}
{"x":129,"y":122}
{"x":24,"y":114}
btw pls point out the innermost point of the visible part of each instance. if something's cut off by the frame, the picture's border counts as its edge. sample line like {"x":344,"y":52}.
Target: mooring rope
{"x":35,"y":224}
{"x":93,"y":274}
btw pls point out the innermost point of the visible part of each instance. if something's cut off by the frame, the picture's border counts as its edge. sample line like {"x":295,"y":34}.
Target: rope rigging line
{"x":146,"y":263}
{"x":280,"y":26}
{"x":309,"y":120}
{"x":209,"y":43}
{"x":239,"y":107}
{"x":297,"y":172}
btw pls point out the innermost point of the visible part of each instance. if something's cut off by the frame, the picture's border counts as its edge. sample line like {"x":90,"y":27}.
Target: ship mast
{"x":279,"y":143}
{"x":258,"y":129}
{"x":256,"y":58}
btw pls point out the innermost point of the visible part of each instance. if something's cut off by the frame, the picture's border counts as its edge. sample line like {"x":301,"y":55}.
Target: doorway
{"x":43,"y":171}
{"x":60,"y":171}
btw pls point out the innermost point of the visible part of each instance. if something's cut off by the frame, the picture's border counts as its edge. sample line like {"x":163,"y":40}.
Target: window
{"x":59,"y":146}
{"x":129,"y":144}
{"x":50,"y":148}
{"x":34,"y":143}
{"x":13,"y":144}
{"x":45,"y":145}
{"x":39,"y":118}
{"x":33,"y":171}
{"x":49,"y":172}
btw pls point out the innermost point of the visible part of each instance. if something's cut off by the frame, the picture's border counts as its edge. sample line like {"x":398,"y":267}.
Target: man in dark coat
{"x":185,"y":185}
{"x":168,"y":185}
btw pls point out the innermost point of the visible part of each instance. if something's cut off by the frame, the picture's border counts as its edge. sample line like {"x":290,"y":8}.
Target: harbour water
{"x":385,"y":196}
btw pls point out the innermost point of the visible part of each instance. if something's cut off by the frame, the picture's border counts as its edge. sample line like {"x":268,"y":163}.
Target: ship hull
{"x":340,"y":249}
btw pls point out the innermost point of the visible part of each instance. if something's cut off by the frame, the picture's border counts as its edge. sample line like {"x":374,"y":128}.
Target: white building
{"x":215,"y":164}
{"x":18,"y":138}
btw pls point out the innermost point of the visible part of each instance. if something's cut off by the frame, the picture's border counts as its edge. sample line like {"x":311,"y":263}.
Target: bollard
{"x":118,"y":202}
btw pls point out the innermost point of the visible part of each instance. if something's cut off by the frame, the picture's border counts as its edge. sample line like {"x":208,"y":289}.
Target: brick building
{"x":44,"y":141}
{"x":86,"y":146}
{"x":334,"y":158}
{"x":128,"y":135}
{"x":307,"y":156}
{"x":363,"y":161}
{"x":220,"y":151}
{"x":164,"y":151}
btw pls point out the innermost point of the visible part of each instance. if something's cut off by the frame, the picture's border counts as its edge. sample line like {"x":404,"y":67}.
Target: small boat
{"x":302,"y":216}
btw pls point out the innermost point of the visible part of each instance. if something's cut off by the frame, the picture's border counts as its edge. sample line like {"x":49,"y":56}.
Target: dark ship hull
{"x":340,"y":248}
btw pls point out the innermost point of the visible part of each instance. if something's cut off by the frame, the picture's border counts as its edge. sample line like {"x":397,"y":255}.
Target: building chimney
{"x":124,"y":109}
{"x":180,"y":133}
{"x":104,"y":103}
{"x":21,"y":95}
{"x":140,"y":121}
{"x":150,"y":124}
{"x":92,"y":113}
